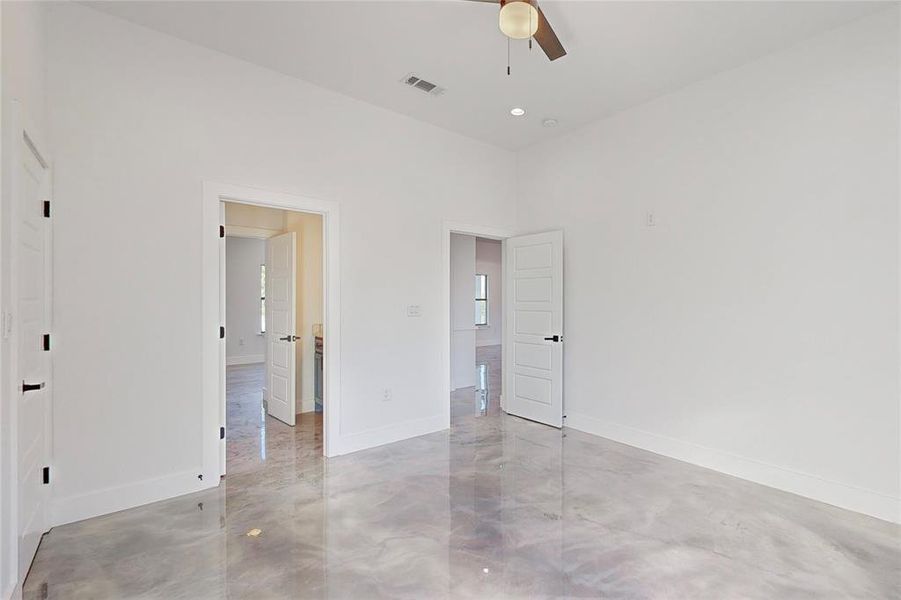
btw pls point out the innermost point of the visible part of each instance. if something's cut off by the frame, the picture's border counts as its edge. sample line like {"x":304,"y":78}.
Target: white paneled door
{"x":281,"y":316}
{"x":32,"y":257}
{"x":534,"y":327}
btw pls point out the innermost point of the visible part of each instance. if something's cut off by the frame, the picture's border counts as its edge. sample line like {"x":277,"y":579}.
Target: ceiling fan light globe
{"x":518,"y":19}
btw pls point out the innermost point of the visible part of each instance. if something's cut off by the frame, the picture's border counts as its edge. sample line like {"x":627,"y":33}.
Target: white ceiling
{"x":620,"y":53}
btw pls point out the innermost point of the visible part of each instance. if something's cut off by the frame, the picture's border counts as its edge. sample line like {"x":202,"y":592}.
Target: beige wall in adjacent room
{"x":246,"y":220}
{"x":308,"y":228}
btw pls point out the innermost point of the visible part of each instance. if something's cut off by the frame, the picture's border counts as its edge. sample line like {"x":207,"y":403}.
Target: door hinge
{"x":222,"y":433}
{"x":47,"y":208}
{"x":46,"y":474}
{"x":222,"y":231}
{"x":46,"y":342}
{"x":221,"y":332}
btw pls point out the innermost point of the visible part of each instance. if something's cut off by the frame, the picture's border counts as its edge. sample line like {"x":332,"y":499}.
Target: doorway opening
{"x":524,"y":372}
{"x":273,"y":313}
{"x":275,"y":302}
{"x":476,"y":308}
{"x":476,"y":320}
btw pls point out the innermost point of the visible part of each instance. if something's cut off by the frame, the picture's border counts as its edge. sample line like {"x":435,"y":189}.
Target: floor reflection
{"x":483,"y":399}
{"x":496,"y":507}
{"x":263,"y":431}
{"x":482,"y":390}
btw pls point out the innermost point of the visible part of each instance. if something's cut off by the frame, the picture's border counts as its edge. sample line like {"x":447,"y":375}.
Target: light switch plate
{"x":6,"y":324}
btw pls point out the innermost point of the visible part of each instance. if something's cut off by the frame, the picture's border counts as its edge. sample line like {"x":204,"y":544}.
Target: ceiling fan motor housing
{"x":518,"y":19}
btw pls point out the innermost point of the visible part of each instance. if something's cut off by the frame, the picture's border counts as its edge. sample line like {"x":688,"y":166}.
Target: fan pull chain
{"x":508,"y":57}
{"x":530,"y":29}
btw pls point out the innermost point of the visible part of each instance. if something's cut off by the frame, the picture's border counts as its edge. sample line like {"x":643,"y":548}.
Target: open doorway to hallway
{"x":476,"y":311}
{"x":273,"y":303}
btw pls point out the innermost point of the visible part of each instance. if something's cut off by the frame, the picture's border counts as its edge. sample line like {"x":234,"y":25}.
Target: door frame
{"x":213,"y":363}
{"x":21,"y":130}
{"x":482,"y":231}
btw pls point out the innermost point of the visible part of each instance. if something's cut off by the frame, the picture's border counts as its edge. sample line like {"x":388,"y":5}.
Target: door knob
{"x":288,"y":338}
{"x":31,"y":387}
{"x":555,"y":338}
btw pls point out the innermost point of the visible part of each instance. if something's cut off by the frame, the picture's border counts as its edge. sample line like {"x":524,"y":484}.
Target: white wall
{"x":488,"y":262}
{"x":244,"y":343}
{"x":138,"y":121}
{"x":462,"y":310}
{"x":308,"y":227}
{"x":22,"y":37}
{"x":754,"y":329}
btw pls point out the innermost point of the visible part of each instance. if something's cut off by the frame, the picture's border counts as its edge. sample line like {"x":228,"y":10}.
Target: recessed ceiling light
{"x":549,"y":122}
{"x":517,"y":111}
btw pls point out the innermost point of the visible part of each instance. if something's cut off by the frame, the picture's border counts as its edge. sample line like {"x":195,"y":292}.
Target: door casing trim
{"x":212,"y":366}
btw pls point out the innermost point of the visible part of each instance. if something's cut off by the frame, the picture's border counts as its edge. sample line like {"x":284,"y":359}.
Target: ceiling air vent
{"x":422,"y":85}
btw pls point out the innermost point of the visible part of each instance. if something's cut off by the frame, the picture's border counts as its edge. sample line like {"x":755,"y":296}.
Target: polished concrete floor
{"x":497,"y":507}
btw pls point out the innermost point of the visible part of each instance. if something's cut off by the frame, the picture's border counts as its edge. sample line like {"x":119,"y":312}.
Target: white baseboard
{"x":308,"y":405}
{"x":249,"y":359}
{"x":114,"y":499}
{"x":392,"y":433}
{"x":836,"y":493}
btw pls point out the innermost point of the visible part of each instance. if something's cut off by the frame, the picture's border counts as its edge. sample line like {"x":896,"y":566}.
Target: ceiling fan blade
{"x":546,"y":37}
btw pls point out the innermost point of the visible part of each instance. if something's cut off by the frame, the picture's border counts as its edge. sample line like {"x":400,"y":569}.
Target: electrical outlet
{"x":386,"y":394}
{"x":414,"y":310}
{"x":650,"y":220}
{"x":240,"y":341}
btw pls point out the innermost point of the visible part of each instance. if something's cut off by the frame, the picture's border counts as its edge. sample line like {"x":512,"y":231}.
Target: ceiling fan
{"x":523,"y":19}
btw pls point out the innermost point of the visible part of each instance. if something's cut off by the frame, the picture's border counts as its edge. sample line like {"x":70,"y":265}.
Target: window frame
{"x":484,"y":300}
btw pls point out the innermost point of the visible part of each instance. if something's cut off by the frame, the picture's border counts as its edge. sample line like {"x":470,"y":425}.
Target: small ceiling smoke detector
{"x":517,"y":111}
{"x":549,"y":122}
{"x":416,"y":82}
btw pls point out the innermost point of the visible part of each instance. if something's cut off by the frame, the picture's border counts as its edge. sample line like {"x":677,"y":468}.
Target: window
{"x":481,"y":300}
{"x":262,"y":298}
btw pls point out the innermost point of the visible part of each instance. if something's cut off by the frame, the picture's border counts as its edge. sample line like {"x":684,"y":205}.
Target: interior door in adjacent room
{"x":534,"y":333}
{"x":281,"y":317}
{"x":32,"y":260}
